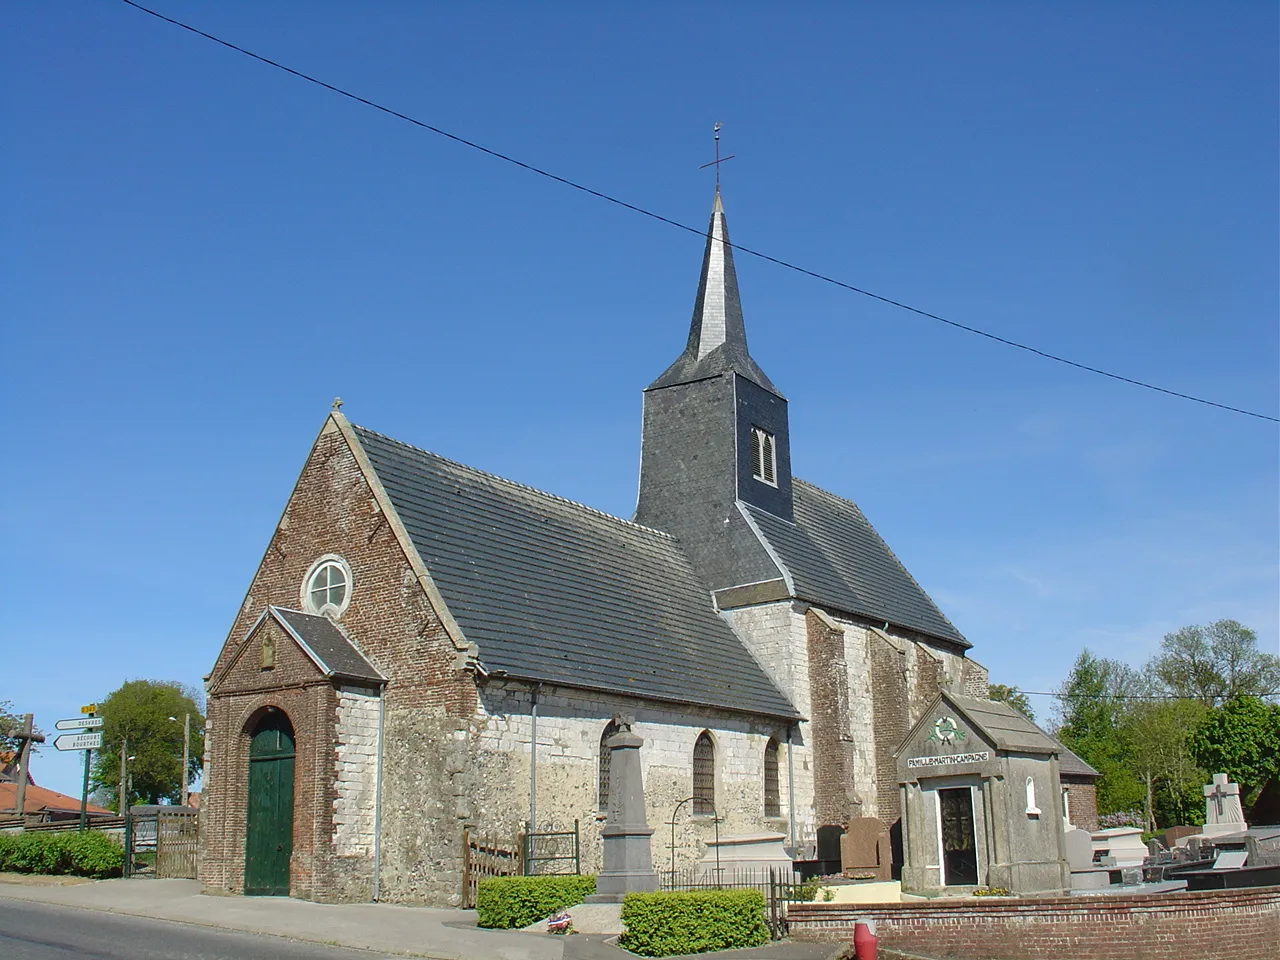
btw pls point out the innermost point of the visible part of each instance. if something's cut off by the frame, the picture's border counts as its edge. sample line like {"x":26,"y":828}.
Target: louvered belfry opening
{"x":764,"y":462}
{"x":704,"y":776}
{"x":606,"y":755}
{"x":772,"y":800}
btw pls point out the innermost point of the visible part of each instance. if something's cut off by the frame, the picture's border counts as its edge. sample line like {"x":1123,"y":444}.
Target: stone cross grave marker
{"x":1223,"y":812}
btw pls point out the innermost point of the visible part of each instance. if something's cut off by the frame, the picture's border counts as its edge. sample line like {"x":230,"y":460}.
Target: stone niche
{"x":981,"y":801}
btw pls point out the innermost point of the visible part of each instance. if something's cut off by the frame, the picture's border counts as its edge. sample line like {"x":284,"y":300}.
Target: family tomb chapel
{"x":982,"y":800}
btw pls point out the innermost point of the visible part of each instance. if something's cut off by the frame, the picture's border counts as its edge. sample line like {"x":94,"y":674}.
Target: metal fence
{"x":552,"y":851}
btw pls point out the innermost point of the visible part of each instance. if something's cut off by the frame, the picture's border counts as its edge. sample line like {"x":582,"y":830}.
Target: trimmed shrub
{"x":94,"y":854}
{"x":88,"y":854}
{"x":671,"y":923}
{"x":505,"y":903}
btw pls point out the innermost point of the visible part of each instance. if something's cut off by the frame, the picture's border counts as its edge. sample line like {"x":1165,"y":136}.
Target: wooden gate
{"x":177,"y":843}
{"x":485,"y":856}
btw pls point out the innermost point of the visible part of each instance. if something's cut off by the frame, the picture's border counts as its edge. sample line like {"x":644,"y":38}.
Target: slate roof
{"x":1070,"y":765}
{"x":1006,"y":727}
{"x":327,"y":645}
{"x":835,"y":558}
{"x":552,"y":590}
{"x":717,"y":334}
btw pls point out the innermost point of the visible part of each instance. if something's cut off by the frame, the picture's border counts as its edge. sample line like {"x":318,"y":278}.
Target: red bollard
{"x":865,"y":941}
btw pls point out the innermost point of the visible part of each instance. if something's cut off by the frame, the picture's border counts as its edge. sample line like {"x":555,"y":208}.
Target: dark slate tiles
{"x":837,"y":559}
{"x":555,"y":591}
{"x":335,"y":653}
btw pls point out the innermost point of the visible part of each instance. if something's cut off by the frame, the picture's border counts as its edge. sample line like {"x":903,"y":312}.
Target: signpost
{"x":79,"y":741}
{"x":88,"y":742}
{"x":80,"y":723}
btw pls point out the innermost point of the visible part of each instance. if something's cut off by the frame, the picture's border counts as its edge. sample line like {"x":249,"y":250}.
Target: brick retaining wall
{"x":1207,"y":925}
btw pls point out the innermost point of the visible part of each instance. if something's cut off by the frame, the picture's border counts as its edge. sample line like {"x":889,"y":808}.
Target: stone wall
{"x":1208,"y":925}
{"x":570,"y":725}
{"x":355,"y":788}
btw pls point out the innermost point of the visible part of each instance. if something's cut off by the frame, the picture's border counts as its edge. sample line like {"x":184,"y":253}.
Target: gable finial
{"x":337,"y":403}
{"x":718,"y":160}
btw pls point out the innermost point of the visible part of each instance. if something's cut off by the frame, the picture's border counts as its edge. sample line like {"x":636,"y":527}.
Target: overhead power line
{"x":692,"y":229}
{"x":1124,"y":696}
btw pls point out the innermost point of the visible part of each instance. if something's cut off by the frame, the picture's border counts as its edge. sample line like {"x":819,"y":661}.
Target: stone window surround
{"x":329,"y":609}
{"x":709,"y":738}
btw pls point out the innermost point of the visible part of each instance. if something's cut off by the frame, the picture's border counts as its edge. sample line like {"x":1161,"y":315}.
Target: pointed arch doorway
{"x":269,"y":832}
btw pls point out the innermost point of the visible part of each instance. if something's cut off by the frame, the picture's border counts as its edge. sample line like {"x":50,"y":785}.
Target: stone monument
{"x":628,"y":862}
{"x":1222,"y":810}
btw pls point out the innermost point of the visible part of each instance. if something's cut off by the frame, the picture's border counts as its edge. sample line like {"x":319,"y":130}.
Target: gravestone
{"x":1177,"y":836}
{"x":1222,"y":811}
{"x":829,"y":848}
{"x":628,"y":862}
{"x":864,"y":849}
{"x":1123,"y":845}
{"x":1085,"y":874}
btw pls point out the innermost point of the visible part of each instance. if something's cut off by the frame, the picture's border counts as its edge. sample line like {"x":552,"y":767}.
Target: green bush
{"x":89,"y":854}
{"x":94,"y":854}
{"x":668,"y":924}
{"x":505,"y":903}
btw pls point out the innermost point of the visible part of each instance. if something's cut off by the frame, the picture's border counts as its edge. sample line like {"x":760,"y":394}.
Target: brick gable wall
{"x":427,"y":701}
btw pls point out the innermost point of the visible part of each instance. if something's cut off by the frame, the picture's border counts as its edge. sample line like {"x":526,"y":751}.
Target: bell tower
{"x":715,"y":433}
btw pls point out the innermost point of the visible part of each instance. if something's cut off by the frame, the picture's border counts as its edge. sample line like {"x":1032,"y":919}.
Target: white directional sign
{"x":80,"y":723}
{"x":79,"y":741}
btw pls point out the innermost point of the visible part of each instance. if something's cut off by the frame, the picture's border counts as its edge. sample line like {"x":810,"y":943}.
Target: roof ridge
{"x":902,"y":566}
{"x":518,"y":485}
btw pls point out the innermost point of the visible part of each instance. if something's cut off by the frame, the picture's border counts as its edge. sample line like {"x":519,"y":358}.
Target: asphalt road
{"x":37,"y":931}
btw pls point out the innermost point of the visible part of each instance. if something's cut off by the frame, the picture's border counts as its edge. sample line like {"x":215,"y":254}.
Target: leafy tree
{"x":1242,"y":740}
{"x":1013,"y":697}
{"x":1092,"y":725}
{"x":1216,"y":663}
{"x":1158,"y":735}
{"x":142,"y":712}
{"x":10,"y":727}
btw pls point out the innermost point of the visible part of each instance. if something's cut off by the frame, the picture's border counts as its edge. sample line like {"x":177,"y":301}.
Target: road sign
{"x":89,"y":708}
{"x":79,"y":741}
{"x":80,"y":723}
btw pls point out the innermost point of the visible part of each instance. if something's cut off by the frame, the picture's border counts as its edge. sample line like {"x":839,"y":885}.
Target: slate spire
{"x":717,"y":335}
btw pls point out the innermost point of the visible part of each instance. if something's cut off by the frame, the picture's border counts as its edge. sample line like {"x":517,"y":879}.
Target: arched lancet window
{"x":605,"y":756}
{"x":704,"y":776}
{"x":772,"y":803}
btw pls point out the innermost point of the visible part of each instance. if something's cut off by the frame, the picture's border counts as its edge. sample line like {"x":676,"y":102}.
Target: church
{"x":426,"y":648}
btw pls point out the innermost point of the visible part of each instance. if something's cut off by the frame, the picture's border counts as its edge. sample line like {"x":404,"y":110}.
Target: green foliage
{"x":807,"y":891}
{"x":1091,"y":726}
{"x":1241,"y":739}
{"x":88,"y":854}
{"x":505,"y":903}
{"x":139,"y":712}
{"x":1216,"y":663}
{"x":1013,"y":697}
{"x":10,"y":727}
{"x":1158,"y":734}
{"x":671,"y":923}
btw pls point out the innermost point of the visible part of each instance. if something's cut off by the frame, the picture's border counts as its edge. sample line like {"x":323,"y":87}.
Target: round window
{"x":328,"y":586}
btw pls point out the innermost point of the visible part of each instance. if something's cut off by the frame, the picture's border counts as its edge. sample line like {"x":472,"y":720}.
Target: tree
{"x":1241,"y":739}
{"x":148,"y":714}
{"x":1213,"y":664}
{"x":1158,"y":734}
{"x":10,"y":727}
{"x":1013,"y":697}
{"x":1091,"y":725}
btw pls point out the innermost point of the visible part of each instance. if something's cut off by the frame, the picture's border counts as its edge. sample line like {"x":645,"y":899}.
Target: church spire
{"x":717,"y":335}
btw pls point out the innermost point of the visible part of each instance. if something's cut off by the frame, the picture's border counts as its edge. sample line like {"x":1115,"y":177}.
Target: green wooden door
{"x":269,"y":840}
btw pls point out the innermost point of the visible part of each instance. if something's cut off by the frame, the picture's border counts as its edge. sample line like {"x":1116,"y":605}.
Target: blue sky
{"x":200,"y":252}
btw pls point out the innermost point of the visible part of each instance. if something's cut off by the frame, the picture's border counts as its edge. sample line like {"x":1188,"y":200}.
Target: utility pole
{"x":24,"y":759}
{"x":186,"y":756}
{"x":123,"y":804}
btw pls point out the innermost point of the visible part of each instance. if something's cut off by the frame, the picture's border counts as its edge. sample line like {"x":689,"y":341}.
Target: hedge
{"x":672,"y":923}
{"x":88,"y":854}
{"x":505,"y":903}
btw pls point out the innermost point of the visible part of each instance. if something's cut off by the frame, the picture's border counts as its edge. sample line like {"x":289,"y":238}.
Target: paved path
{"x":417,"y":931}
{"x":41,"y":931}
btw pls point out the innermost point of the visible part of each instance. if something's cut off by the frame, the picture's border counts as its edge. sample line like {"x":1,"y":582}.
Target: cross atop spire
{"x":717,"y":335}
